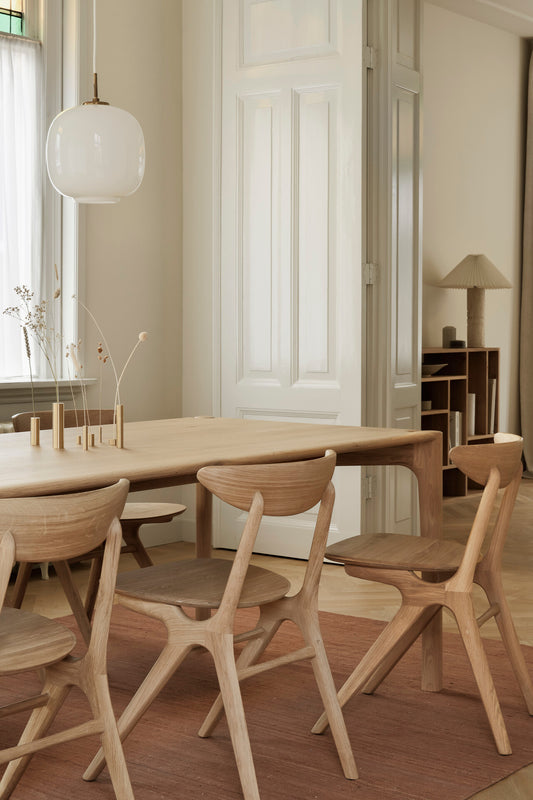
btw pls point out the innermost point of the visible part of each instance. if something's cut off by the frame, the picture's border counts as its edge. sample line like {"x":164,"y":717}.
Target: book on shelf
{"x":471,"y":407}
{"x":455,"y":428}
{"x":492,"y":404}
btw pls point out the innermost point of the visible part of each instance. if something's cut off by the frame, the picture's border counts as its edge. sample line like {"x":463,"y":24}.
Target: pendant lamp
{"x":95,"y":152}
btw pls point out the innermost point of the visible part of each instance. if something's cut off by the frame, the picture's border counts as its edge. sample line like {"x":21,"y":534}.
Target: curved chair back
{"x":286,"y":488}
{"x":59,"y":527}
{"x":495,"y":466}
{"x":505,"y":454}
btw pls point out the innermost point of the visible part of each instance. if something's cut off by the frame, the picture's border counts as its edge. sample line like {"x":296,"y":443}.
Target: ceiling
{"x":515,"y":16}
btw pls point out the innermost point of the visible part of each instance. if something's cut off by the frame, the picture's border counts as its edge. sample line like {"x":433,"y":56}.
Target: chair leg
{"x":130,"y":534}
{"x":249,"y":655}
{"x":73,"y":596}
{"x":92,"y":586}
{"x":21,"y":584}
{"x":328,"y":693}
{"x":383,"y":655}
{"x":222,"y":649}
{"x":100,"y":701}
{"x":167,"y":663}
{"x":468,"y":628}
{"x":36,"y":727}
{"x":494,"y":590}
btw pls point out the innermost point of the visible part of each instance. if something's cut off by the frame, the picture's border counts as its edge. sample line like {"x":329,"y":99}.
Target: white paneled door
{"x":290,"y":282}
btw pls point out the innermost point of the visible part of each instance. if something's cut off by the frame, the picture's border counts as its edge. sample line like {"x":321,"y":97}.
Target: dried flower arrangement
{"x":38,"y":321}
{"x":34,"y":319}
{"x":104,"y":358}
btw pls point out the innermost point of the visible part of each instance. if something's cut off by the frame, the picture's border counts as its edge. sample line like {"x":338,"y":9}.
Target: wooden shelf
{"x":469,"y":370}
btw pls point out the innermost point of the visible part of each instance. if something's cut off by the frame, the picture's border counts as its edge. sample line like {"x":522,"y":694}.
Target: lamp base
{"x":475,"y":317}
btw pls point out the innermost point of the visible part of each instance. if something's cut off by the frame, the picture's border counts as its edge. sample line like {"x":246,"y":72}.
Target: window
{"x":11,"y":17}
{"x":31,"y":213}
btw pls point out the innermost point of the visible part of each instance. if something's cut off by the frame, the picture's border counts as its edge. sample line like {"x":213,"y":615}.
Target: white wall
{"x":474,"y":95}
{"x":201,"y":190}
{"x":133,"y":249}
{"x":133,"y":269}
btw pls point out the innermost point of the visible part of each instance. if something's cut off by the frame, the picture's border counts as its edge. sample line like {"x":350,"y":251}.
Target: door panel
{"x":392,"y":245}
{"x":290,"y":343}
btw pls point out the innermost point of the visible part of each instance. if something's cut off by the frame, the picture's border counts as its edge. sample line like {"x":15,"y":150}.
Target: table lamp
{"x":475,"y":273}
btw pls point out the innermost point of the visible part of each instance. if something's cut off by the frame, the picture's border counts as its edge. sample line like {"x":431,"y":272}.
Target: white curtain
{"x":21,"y":168}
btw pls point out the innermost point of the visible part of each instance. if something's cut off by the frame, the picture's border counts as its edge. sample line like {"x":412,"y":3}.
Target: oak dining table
{"x":169,"y":452}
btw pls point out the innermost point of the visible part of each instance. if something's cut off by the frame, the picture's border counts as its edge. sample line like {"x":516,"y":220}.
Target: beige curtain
{"x":526,"y":320}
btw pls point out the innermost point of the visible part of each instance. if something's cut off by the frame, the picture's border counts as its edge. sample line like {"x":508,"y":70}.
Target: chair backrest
{"x":282,"y":489}
{"x":477,"y":461}
{"x":495,"y":466}
{"x":59,"y":527}
{"x":73,"y":418}
{"x":64,"y":526}
{"x":286,"y":488}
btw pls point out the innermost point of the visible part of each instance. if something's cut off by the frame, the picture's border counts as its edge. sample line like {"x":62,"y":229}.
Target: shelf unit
{"x":470,"y":370}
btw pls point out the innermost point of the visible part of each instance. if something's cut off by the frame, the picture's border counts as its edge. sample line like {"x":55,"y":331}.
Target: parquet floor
{"x":344,"y":595}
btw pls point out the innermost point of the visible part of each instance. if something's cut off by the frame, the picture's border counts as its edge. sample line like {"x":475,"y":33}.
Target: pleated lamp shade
{"x":475,"y":273}
{"x":95,"y":153}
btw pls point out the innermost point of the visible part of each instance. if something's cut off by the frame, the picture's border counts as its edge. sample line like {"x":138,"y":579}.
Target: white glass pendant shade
{"x":95,"y":153}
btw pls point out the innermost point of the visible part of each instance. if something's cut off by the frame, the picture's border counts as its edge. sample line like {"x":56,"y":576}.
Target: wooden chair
{"x":161,"y":591}
{"x":59,"y":528}
{"x":398,"y":559}
{"x":133,"y":516}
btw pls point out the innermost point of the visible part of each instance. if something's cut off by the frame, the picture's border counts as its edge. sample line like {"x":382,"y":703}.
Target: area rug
{"x":408,"y":744}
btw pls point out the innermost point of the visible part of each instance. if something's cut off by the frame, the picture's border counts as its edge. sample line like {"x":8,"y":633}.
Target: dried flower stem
{"x":72,"y":391}
{"x":142,"y":338}
{"x":28,"y":353}
{"x":100,"y":331}
{"x":78,"y":367}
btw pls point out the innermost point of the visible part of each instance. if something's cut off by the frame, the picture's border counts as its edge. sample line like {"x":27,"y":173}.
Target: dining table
{"x":169,"y":452}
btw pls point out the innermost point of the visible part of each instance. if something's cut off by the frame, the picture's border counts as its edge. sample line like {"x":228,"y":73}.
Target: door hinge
{"x":369,"y":487}
{"x":370,"y":274}
{"x":369,"y":57}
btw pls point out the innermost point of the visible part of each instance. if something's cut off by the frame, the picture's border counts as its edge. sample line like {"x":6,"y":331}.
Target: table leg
{"x":204,"y":531}
{"x":427,"y":466}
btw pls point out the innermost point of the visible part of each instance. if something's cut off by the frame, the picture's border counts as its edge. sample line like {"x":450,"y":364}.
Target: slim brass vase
{"x":58,"y":425}
{"x":35,"y":431}
{"x":119,"y":414}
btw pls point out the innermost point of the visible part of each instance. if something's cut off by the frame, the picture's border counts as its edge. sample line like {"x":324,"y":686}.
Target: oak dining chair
{"x":433,"y":573}
{"x":223,"y":586}
{"x":59,"y":528}
{"x":133,"y":517}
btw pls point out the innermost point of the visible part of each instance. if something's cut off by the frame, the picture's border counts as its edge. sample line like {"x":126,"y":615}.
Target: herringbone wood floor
{"x":345,"y":595}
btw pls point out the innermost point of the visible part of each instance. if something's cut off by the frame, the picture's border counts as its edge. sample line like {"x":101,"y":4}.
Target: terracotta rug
{"x":408,"y":744}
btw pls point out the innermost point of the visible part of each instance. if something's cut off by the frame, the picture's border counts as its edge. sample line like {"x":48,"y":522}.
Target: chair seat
{"x":151,"y":512}
{"x":200,"y":583}
{"x":29,"y":641}
{"x":398,"y":551}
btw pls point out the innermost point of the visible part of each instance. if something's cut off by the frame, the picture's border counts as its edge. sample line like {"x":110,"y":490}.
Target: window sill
{"x":13,"y":390}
